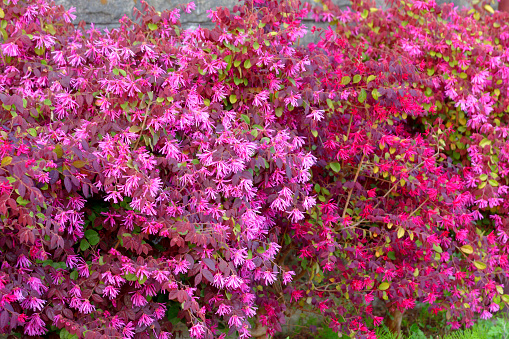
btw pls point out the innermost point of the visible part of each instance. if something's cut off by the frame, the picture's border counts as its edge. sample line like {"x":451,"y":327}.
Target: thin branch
{"x":354,"y":181}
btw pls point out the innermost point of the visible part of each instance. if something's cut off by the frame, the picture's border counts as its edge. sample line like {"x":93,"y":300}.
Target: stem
{"x":354,"y":181}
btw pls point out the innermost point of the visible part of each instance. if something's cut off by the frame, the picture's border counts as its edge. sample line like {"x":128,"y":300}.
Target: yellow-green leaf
{"x":6,"y":161}
{"x":362,"y":96}
{"x":233,"y":98}
{"x":375,"y":94}
{"x":79,"y":163}
{"x":480,"y":265}
{"x":345,"y":80}
{"x":135,"y":129}
{"x":247,"y":64}
{"x":500,"y":290}
{"x":467,"y":249}
{"x":370,"y":78}
{"x":401,"y":232}
{"x":383,"y":286}
{"x":2,"y":14}
{"x":493,"y":183}
{"x":489,"y":9}
{"x":356,"y":78}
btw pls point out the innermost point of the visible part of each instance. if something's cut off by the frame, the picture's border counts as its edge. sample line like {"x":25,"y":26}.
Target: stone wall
{"x":106,"y":13}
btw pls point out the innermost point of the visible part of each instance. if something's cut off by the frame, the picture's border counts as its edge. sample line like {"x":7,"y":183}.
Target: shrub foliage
{"x":221,"y":178}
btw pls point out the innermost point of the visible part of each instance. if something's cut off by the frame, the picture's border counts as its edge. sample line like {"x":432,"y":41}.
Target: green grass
{"x":483,"y":329}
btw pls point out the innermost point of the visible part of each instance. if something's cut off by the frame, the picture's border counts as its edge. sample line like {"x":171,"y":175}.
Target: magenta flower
{"x":11,"y":49}
{"x":35,"y":326}
{"x":197,"y":331}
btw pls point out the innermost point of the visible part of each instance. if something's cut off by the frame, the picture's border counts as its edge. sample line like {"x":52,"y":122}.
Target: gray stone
{"x":107,"y":13}
{"x":103,"y":13}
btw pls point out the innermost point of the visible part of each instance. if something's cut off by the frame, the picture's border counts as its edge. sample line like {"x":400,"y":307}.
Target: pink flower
{"x":23,"y":261}
{"x":11,"y":49}
{"x":145,"y":320}
{"x":111,"y":292}
{"x":235,"y":321}
{"x":37,"y":285}
{"x":35,"y":326}
{"x":138,"y":300}
{"x":116,"y":322}
{"x":128,"y":331}
{"x":223,"y":309}
{"x":269,"y":277}
{"x":261,"y":98}
{"x":234,"y":281}
{"x":86,"y":307}
{"x":486,"y":315}
{"x":197,"y":331}
{"x":316,"y":115}
{"x":33,"y":303}
{"x":288,"y":277}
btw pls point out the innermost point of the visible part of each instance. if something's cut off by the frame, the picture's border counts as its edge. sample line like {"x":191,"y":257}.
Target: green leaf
{"x":356,"y":78}
{"x":279,"y":111}
{"x":131,"y":277}
{"x":336,"y":167}
{"x":362,"y":96}
{"x":370,"y":78}
{"x":345,"y":80}
{"x":493,"y":183}
{"x":383,"y":286}
{"x":315,"y":133}
{"x":375,"y":94}
{"x":245,"y":118}
{"x":74,"y":275}
{"x":92,"y":237}
{"x":247,"y":64}
{"x":84,"y":244}
{"x":32,"y":132}
{"x":317,"y":188}
{"x":256,"y":45}
{"x":391,"y":255}
{"x":152,"y":26}
{"x":233,"y":98}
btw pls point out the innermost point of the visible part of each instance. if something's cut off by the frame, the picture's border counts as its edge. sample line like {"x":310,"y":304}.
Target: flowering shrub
{"x":152,"y":175}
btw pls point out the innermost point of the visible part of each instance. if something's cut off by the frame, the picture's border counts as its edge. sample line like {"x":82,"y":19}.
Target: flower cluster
{"x":151,"y":175}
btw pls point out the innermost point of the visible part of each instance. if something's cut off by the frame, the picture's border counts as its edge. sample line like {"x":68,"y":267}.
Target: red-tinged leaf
{"x":68,"y":184}
{"x":67,"y":313}
{"x":4,"y":319}
{"x":210,"y":263}
{"x":208,"y":275}
{"x":197,"y":279}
